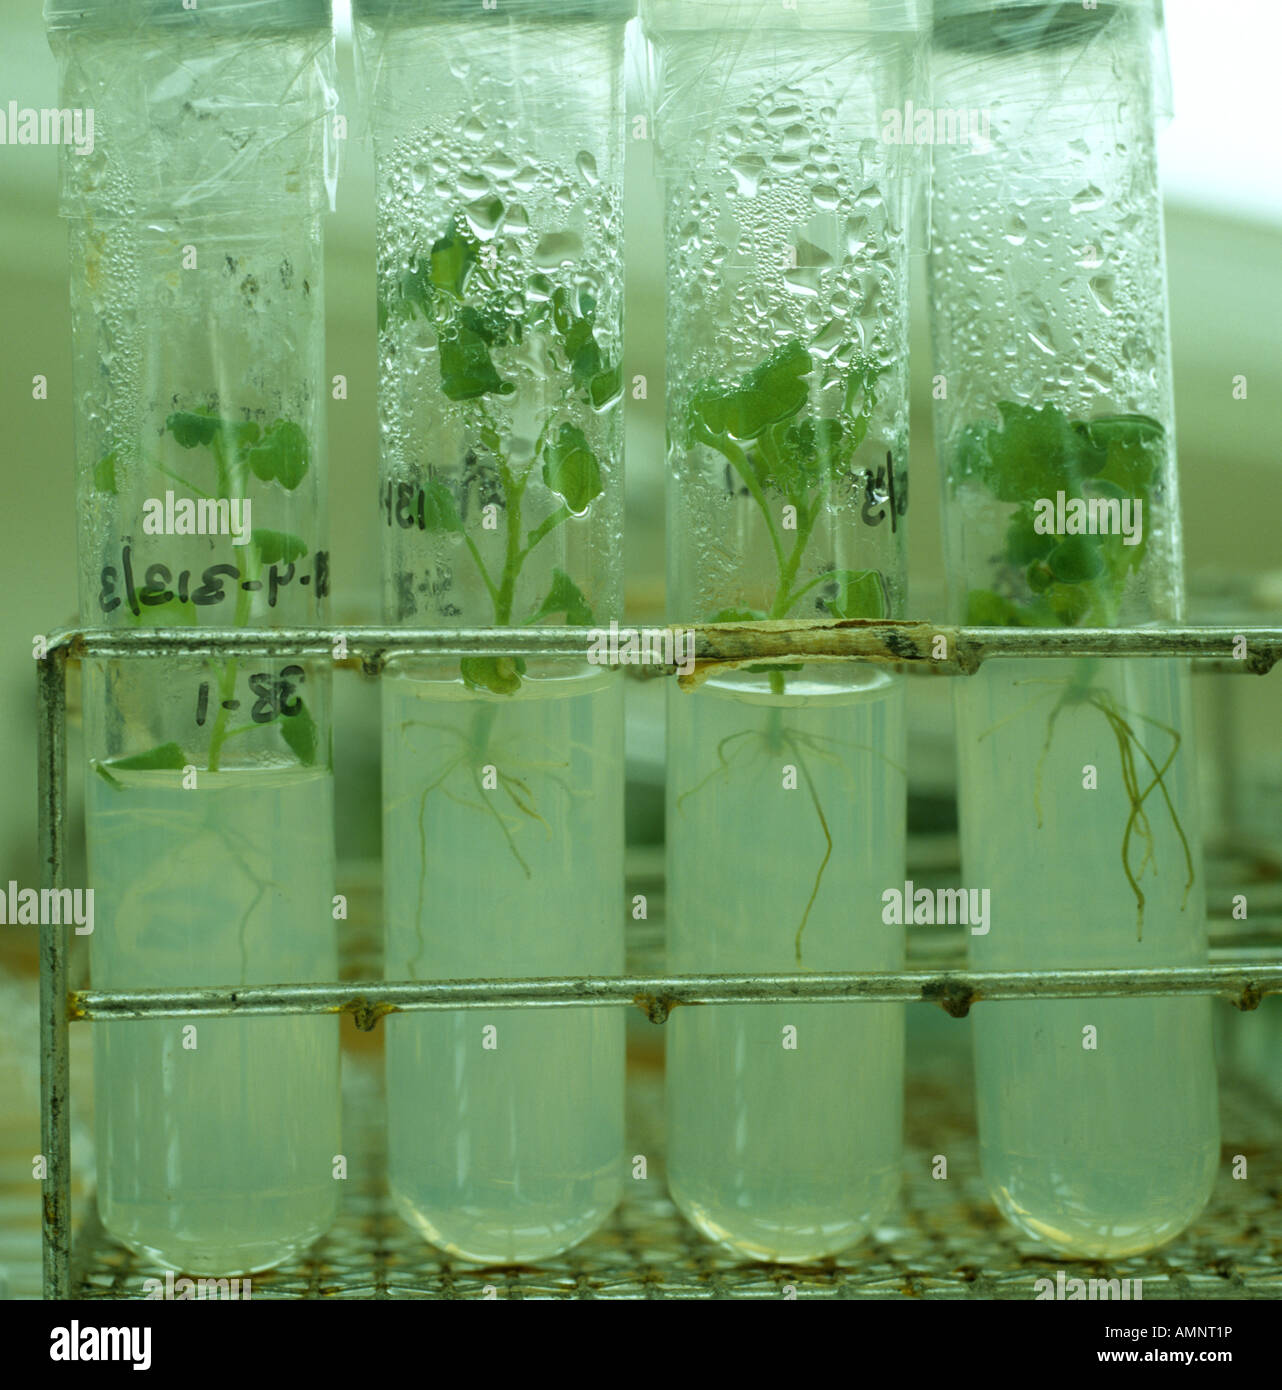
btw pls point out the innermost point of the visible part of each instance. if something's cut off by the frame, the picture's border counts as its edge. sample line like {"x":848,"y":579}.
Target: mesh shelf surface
{"x":946,"y":1240}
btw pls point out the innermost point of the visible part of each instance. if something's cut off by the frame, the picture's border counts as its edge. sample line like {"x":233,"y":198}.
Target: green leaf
{"x":1075,"y":560}
{"x":802,"y":455}
{"x":299,"y":732}
{"x":500,"y":675}
{"x":563,"y":316}
{"x":566,"y":597}
{"x":859,"y":595}
{"x":1035,"y":452}
{"x":1039,"y":451}
{"x":1039,"y":576}
{"x":1128,"y":448}
{"x":467,"y":371}
{"x":245,"y":432}
{"x":190,"y":428}
{"x":166,"y":757}
{"x":278,"y":547}
{"x":772,"y":392}
{"x":1024,"y":543}
{"x":1068,"y":604}
{"x":439,"y":510}
{"x":984,"y":608}
{"x":451,"y":261}
{"x":104,"y":473}
{"x":582,"y":352}
{"x":570,"y":468}
{"x":282,"y":455}
{"x":606,"y":387}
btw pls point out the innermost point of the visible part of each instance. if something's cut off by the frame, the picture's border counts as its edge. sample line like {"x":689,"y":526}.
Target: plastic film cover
{"x":1007,"y":28}
{"x":221,"y":112}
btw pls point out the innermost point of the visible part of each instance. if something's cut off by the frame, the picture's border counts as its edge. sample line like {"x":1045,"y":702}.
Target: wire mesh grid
{"x":947,"y":1240}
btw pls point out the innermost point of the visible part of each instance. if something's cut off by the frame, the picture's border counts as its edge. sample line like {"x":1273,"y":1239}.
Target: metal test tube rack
{"x":914,"y":645}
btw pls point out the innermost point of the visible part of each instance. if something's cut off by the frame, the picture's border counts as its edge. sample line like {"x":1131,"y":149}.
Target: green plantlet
{"x":456,"y":295}
{"x":1075,"y":580}
{"x":453,"y":290}
{"x":279,"y":454}
{"x":760,"y":425}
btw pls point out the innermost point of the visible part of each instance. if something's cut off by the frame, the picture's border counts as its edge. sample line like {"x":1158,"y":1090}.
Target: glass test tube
{"x":198,"y":356}
{"x":1098,"y":1120}
{"x":499,"y":147}
{"x":787,"y":490}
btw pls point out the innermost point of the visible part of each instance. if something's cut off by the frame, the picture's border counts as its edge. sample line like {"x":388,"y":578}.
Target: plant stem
{"x":514,"y":490}
{"x":784,"y":598}
{"x":244,"y":604}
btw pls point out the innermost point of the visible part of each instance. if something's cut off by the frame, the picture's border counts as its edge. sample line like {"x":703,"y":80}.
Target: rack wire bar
{"x":716,"y":645}
{"x":55,"y":1074}
{"x":658,"y":995}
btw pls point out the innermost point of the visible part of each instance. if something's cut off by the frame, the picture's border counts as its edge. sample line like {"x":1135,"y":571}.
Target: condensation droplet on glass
{"x":539,"y":287}
{"x":1101,"y":287}
{"x":1088,"y":199}
{"x":747,"y":170}
{"x":1100,"y":375}
{"x":1042,"y":339}
{"x":484,"y":215}
{"x":557,"y":249}
{"x":499,"y":166}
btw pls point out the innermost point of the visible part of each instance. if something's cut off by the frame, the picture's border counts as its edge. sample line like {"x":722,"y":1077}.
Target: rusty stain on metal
{"x":955,"y":999}
{"x":364,"y":1014}
{"x":657,"y":1007}
{"x":1249,"y":998}
{"x":76,"y":1011}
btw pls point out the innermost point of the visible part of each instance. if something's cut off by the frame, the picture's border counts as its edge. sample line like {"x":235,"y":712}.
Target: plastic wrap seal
{"x":524,"y":11}
{"x":388,"y":89}
{"x":1009,"y":28}
{"x":239,"y":16}
{"x":868,"y":59}
{"x":215,"y":114}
